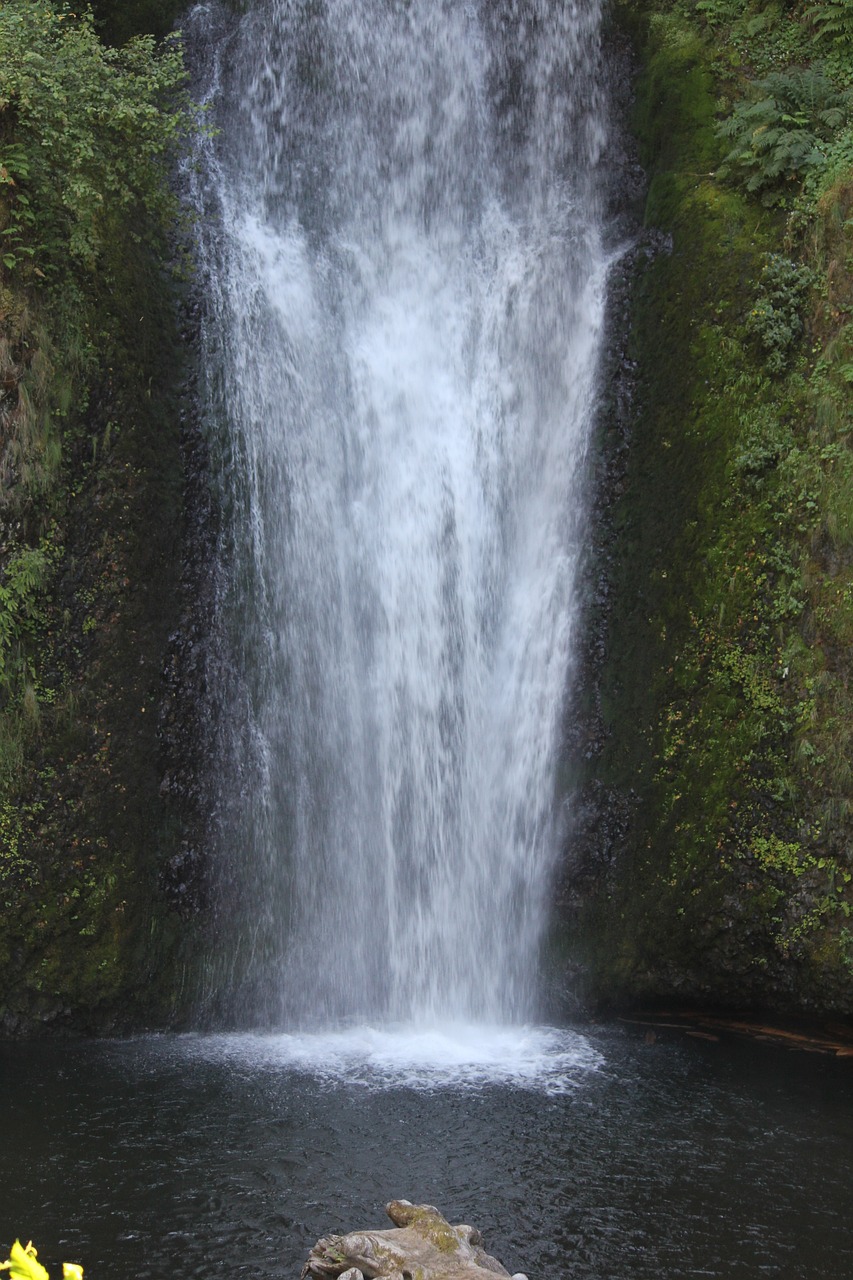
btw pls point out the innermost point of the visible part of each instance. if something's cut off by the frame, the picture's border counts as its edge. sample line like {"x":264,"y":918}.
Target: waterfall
{"x":402,"y":268}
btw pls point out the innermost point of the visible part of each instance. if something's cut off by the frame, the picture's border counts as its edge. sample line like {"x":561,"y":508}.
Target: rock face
{"x":422,"y":1245}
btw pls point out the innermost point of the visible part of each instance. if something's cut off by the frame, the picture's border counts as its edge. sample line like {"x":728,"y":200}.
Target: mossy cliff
{"x":91,"y":482}
{"x":716,"y":859}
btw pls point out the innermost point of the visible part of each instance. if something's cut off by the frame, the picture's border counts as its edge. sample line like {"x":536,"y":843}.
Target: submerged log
{"x":422,"y":1245}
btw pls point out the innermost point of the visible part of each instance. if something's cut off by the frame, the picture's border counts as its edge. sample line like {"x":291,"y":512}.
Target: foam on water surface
{"x":450,"y":1056}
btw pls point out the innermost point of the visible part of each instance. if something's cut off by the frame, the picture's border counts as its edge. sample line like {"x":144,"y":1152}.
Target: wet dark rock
{"x":596,"y":816}
{"x":183,"y":881}
{"x":185,"y":729}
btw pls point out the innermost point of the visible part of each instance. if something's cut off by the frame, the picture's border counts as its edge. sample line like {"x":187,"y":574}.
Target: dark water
{"x":152,"y":1158}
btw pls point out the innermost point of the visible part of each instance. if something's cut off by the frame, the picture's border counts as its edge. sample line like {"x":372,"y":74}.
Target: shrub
{"x":86,"y":132}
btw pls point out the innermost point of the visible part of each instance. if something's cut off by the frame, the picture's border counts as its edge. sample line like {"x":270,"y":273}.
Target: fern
{"x":785,"y":131}
{"x":833,"y":21}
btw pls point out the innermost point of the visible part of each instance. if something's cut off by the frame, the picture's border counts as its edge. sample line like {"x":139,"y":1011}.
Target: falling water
{"x":403,"y":272}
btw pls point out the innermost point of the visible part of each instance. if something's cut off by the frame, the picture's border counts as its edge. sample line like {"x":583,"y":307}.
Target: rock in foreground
{"x":422,"y":1245}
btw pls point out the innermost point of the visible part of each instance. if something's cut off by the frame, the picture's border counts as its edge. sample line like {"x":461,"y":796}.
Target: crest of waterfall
{"x":403,"y":274}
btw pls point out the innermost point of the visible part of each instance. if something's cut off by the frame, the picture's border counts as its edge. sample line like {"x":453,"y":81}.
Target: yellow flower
{"x":71,"y":1271}
{"x":22,"y":1264}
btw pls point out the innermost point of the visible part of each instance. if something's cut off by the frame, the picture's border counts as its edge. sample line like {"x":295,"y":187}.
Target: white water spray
{"x":404,"y":276}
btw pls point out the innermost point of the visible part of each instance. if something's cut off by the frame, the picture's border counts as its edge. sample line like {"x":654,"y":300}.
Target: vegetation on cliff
{"x":90,"y":485}
{"x":726,"y":696}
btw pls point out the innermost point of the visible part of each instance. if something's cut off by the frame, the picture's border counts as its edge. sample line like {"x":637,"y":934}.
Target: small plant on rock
{"x":775,"y":318}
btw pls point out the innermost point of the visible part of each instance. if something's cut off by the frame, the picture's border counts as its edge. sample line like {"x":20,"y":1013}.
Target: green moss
{"x":425,"y":1220}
